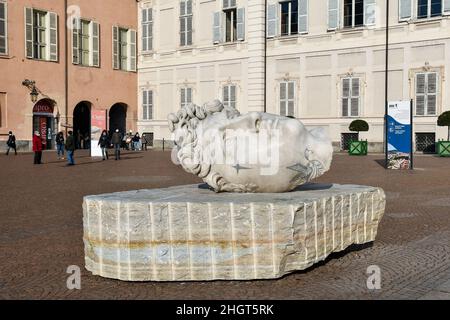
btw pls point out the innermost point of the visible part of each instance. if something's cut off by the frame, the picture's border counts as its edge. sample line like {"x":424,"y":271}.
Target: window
{"x":426,"y":93}
{"x":429,"y":8}
{"x":347,"y":138}
{"x":185,"y":96}
{"x":425,"y":9}
{"x":426,"y":142}
{"x":229,"y":24}
{"x":353,"y":13}
{"x":287,"y":98}
{"x":86,"y":43}
{"x":289,"y":17}
{"x":147,"y":29}
{"x":229,"y":96}
{"x":147,"y":105}
{"x":350,"y":97}
{"x":185,"y":22}
{"x":41,"y":35}
{"x":3,"y":28}
{"x":124,"y":49}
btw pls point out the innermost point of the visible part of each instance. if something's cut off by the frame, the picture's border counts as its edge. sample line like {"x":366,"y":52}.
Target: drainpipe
{"x":66,"y":67}
{"x":265,"y":56}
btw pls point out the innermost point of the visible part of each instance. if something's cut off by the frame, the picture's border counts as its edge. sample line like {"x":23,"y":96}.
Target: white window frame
{"x":286,"y":100}
{"x":426,"y":94}
{"x":184,"y":93}
{"x":289,"y":18}
{"x":233,"y":22}
{"x":5,"y":21}
{"x":227,"y":96}
{"x":184,"y":18}
{"x":350,"y":97}
{"x":413,"y":15}
{"x":147,"y":24}
{"x":129,"y":44}
{"x":147,"y":108}
{"x":38,"y":43}
{"x":48,"y":29}
{"x":92,"y":38}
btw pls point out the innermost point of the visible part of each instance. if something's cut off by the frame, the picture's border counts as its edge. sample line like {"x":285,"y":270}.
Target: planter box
{"x":443,"y":148}
{"x":358,"y":148}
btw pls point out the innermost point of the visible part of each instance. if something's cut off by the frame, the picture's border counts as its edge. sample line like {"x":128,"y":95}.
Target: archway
{"x":43,"y":121}
{"x":118,"y":118}
{"x":82,"y":125}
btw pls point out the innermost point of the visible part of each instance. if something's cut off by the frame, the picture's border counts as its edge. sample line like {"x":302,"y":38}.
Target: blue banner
{"x":399,"y":135}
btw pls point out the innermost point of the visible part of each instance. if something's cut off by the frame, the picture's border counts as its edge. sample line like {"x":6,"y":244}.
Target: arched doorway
{"x":43,"y":121}
{"x":118,"y":118}
{"x":82,"y":125}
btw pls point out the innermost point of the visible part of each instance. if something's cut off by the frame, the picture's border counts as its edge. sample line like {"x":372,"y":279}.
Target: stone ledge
{"x":189,"y":233}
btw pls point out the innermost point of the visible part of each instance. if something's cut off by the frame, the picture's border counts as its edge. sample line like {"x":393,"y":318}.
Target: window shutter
{"x":132,"y":50}
{"x":226,"y":96}
{"x":369,"y":12}
{"x":144,"y":105}
{"x":241,"y":24}
{"x":217,"y":27}
{"x":115,"y":47}
{"x":420,"y":94}
{"x":3,"y":28}
{"x":233,"y":96}
{"x":333,"y":14}
{"x":144,"y":27}
{"x":354,"y":108}
{"x":29,"y":48}
{"x":303,"y":16}
{"x":75,"y":41}
{"x":95,"y":44}
{"x":272,"y":20}
{"x":446,"y":7}
{"x":405,"y":10}
{"x":345,"y":96}
{"x":150,"y":104}
{"x":53,"y":36}
{"x":432,"y":86}
{"x":283,"y":98}
{"x":189,"y":95}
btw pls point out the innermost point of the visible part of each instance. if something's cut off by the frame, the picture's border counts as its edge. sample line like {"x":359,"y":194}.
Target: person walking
{"x":103,"y":142}
{"x":116,"y":140}
{"x":37,"y":148}
{"x":11,"y":143}
{"x":60,"y":145}
{"x":137,"y":142}
{"x":70,"y":147}
{"x":144,"y":142}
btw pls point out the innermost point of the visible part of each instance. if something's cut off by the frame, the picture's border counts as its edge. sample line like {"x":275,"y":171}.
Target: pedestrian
{"x":103,"y":142}
{"x":70,"y":147}
{"x":37,"y":148}
{"x":11,"y":143}
{"x":129,"y":140}
{"x":60,"y":145}
{"x":116,"y":140}
{"x":144,"y":142}
{"x":79,"y":137}
{"x":136,"y":142}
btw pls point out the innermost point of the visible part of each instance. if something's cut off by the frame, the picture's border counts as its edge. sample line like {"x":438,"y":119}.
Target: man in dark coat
{"x":37,"y":147}
{"x":116,"y":140}
{"x":70,"y":147}
{"x":11,"y":143}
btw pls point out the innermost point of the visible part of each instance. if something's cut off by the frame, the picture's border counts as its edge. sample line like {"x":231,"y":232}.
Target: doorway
{"x":43,"y":122}
{"x":118,"y":118}
{"x":82,"y":125}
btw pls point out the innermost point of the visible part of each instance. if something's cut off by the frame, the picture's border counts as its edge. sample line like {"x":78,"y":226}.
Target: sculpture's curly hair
{"x":184,"y":124}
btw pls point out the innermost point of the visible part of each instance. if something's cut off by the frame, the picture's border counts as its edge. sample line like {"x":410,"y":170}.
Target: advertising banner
{"x":43,"y":131}
{"x":399,"y":135}
{"x":98,"y":124}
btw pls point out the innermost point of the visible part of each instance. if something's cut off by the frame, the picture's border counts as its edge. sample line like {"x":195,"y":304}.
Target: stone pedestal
{"x":191,"y":233}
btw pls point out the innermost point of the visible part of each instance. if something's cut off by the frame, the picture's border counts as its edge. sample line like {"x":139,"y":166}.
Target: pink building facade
{"x":79,"y":57}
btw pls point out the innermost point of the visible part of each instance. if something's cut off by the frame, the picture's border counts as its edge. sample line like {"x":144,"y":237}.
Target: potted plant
{"x":358,"y":148}
{"x":443,"y":147}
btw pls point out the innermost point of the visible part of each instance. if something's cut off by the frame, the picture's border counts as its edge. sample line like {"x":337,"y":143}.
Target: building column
{"x":256,"y":47}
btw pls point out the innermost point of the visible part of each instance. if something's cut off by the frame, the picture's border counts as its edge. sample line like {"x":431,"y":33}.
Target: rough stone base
{"x":191,"y":233}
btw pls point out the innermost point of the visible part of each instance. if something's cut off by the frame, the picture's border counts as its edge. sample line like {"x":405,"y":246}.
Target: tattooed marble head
{"x":256,"y":152}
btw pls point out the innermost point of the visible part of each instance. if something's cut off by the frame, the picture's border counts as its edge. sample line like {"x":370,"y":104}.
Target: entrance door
{"x":82,"y":125}
{"x":43,"y":122}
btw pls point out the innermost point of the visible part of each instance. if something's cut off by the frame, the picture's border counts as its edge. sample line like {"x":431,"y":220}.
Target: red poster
{"x":98,"y":124}
{"x":43,"y":129}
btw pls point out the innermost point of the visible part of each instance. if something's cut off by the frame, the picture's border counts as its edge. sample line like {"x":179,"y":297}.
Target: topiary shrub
{"x":444,"y":121}
{"x":359,"y":125}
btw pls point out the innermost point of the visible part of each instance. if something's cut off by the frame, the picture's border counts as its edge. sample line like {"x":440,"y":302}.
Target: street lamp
{"x":31,"y":85}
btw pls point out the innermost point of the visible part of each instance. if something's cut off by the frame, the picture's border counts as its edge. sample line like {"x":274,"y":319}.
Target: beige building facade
{"x":79,"y":55}
{"x":325,"y":61}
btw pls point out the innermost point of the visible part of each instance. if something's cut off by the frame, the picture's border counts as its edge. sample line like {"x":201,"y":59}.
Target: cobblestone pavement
{"x":41,"y":232}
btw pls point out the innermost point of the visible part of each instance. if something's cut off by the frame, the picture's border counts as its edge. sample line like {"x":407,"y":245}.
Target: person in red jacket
{"x":37,"y":147}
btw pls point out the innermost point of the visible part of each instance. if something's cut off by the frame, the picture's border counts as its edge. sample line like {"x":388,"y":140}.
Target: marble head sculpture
{"x":257,"y":152}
